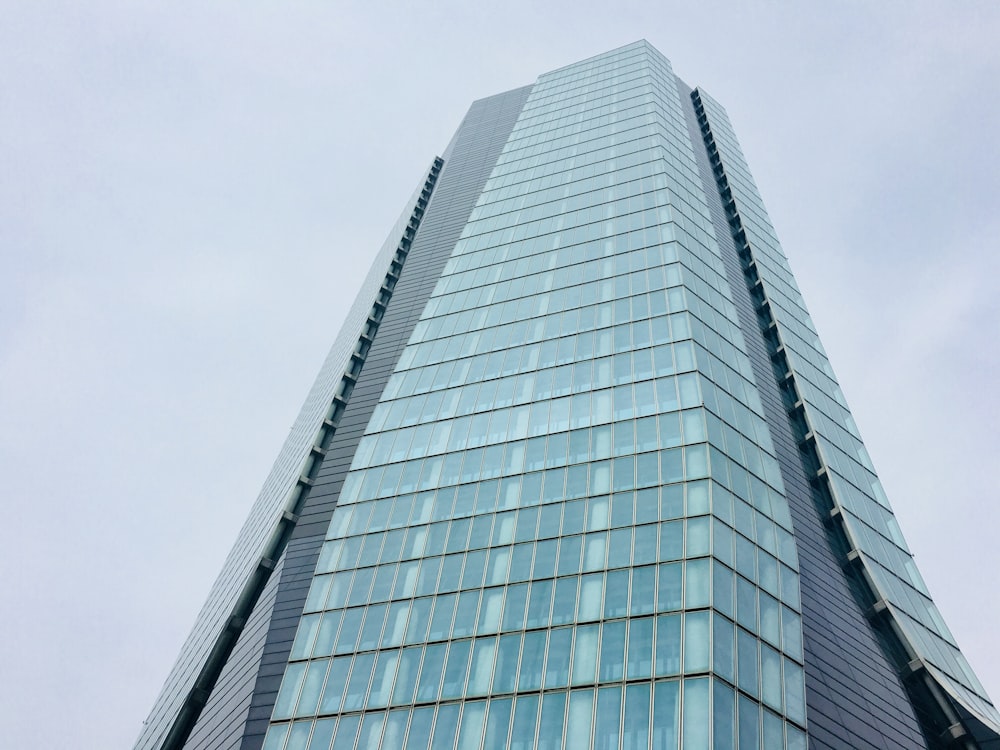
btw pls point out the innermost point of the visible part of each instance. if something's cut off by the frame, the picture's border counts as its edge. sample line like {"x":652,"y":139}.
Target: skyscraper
{"x":576,"y":473}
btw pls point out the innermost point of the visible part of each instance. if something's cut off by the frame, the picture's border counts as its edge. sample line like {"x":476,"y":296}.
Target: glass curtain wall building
{"x":576,"y":474}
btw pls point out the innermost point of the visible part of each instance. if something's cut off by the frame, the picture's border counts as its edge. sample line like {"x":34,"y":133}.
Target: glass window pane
{"x":591,"y":594}
{"x":406,"y":675}
{"x":395,"y":627}
{"x":607,"y":725}
{"x":514,"y":606}
{"x":723,"y":651}
{"x":299,"y":735}
{"x":430,"y":673}
{"x":671,"y":540}
{"x":697,"y":591}
{"x":696,"y":642}
{"x":456,"y":670}
{"x":666,"y":697}
{"x":585,"y":654}
{"x":371,"y":633}
{"x":522,"y":735}
{"x":749,"y":724}
{"x":419,"y":735}
{"x":564,"y":603}
{"x":327,"y":633}
{"x":347,"y":732}
{"x":746,"y":647}
{"x":746,"y":604}
{"x":791,"y":633}
{"x":635,"y":735}
{"x":550,"y":728}
{"x":357,"y":688}
{"x":795,"y":738}
{"x":770,"y":619}
{"x":471,"y":732}
{"x":723,"y":717}
{"x":497,"y":723}
{"x":505,"y":676}
{"x":643,"y":593}
{"x":645,"y":545}
{"x":333,"y":694}
{"x":416,"y":628}
{"x":569,"y":555}
{"x":581,"y":708}
{"x":696,"y":714}
{"x":539,"y":604}
{"x":795,"y":696}
{"x":489,"y":611}
{"x":311,"y":687}
{"x":482,"y":666}
{"x":770,"y":677}
{"x":557,"y":659}
{"x":698,"y":536}
{"x":668,"y":645}
{"x":532,"y":660}
{"x":612,"y":651}
{"x":668,"y":595}
{"x":302,"y":647}
{"x":289,"y":692}
{"x":773,"y":734}
{"x":444,"y":727}
{"x":620,"y":548}
{"x":385,"y":673}
{"x":395,"y":728}
{"x":722,"y":585}
{"x":595,"y":551}
{"x":640,"y":648}
{"x":349,"y":630}
{"x":276,"y":734}
{"x":465,"y":614}
{"x":371,"y":729}
{"x":616,"y":594}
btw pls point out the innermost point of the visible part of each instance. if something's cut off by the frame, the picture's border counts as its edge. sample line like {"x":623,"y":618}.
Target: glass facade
{"x":568,"y":521}
{"x":565,"y":511}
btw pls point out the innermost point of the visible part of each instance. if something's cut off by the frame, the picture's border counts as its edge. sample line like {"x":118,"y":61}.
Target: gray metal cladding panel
{"x":221,"y":722}
{"x":854,"y":697}
{"x":468,"y":162}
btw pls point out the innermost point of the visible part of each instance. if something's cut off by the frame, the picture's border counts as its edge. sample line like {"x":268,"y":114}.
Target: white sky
{"x":190,"y":195}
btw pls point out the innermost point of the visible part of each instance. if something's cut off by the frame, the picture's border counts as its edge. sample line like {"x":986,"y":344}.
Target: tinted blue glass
{"x":528,"y":469}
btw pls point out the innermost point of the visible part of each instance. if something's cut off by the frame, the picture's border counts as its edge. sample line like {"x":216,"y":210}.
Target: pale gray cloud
{"x":189,"y":194}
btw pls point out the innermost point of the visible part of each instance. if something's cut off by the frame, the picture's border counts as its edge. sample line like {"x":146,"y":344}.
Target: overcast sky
{"x":190,"y":196}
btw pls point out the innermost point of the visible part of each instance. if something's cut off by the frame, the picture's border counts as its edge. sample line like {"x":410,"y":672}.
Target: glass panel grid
{"x":567,"y":494}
